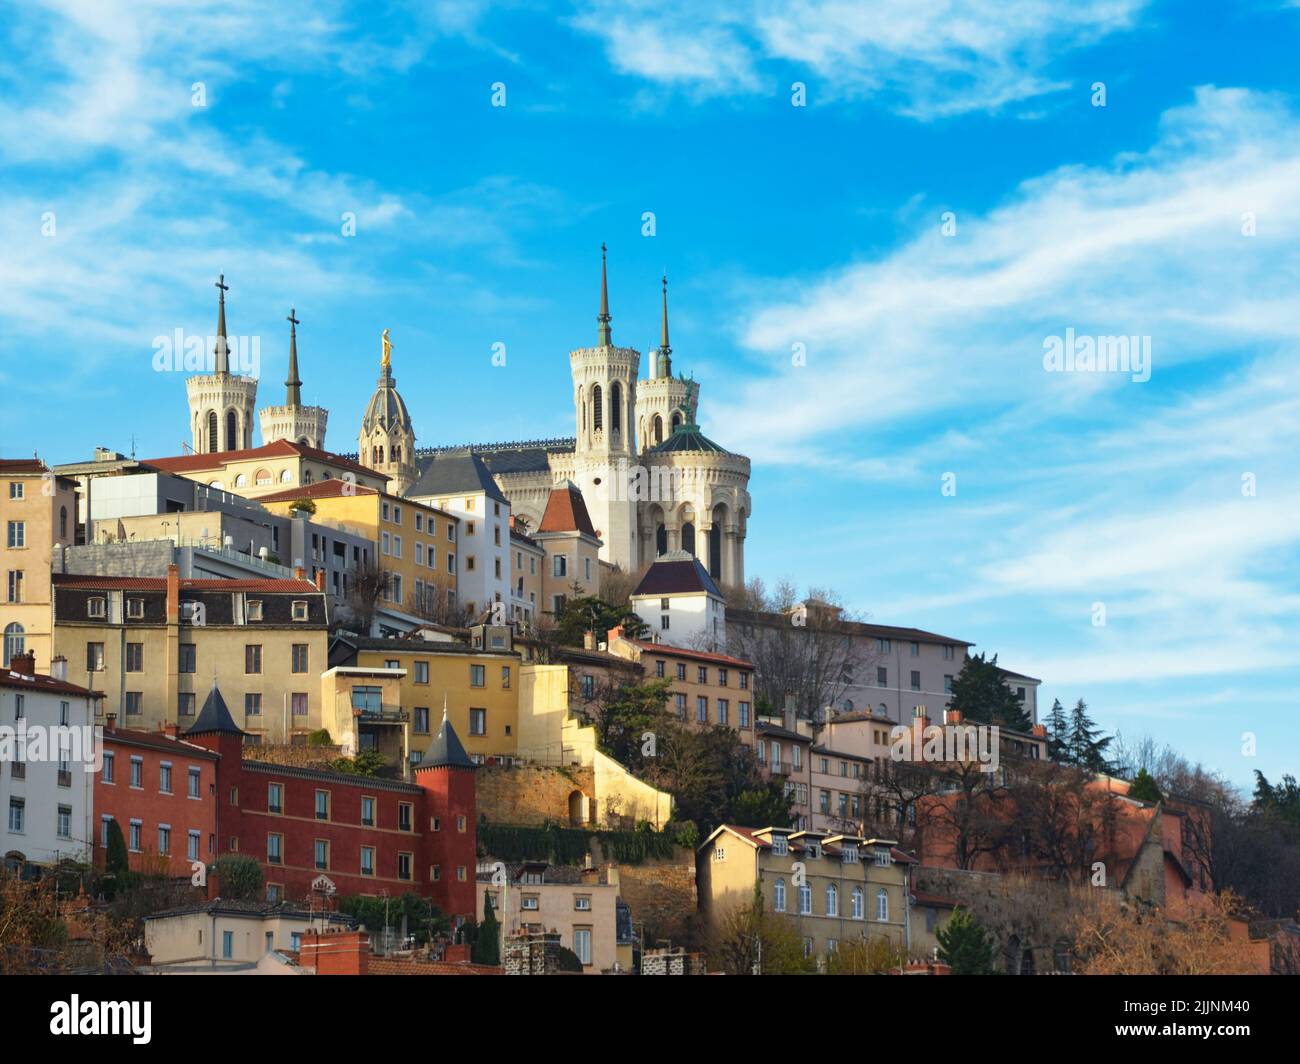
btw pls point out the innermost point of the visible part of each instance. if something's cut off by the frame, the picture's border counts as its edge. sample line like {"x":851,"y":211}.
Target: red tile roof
{"x":158,"y":741}
{"x":158,"y":583}
{"x":566,"y":512}
{"x":322,"y":489}
{"x":394,"y":966}
{"x":668,"y":650}
{"x":16,"y":680}
{"x":22,"y":465}
{"x":188,"y":463}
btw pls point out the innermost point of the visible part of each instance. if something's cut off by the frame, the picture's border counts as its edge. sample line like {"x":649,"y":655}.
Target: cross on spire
{"x":665,"y":367}
{"x":293,"y":386}
{"x":605,"y":336}
{"x":221,"y":351}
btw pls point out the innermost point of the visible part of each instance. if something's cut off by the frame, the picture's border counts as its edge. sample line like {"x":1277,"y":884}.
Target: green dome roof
{"x":687,"y":437}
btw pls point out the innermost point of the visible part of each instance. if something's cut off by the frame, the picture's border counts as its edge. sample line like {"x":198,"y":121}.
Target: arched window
{"x":882,"y":905}
{"x":778,"y":896}
{"x":395,"y":453}
{"x":661,"y":541}
{"x":286,"y":476}
{"x":857,"y":903}
{"x":214,"y":440}
{"x":15,"y":641}
{"x":659,"y":429}
{"x":241,"y":481}
{"x":715,"y":551}
{"x":615,"y":408}
{"x":688,"y":538}
{"x":63,"y":522}
{"x":677,"y":419}
{"x":832,"y":900}
{"x":306,"y":476}
{"x":262,"y":478}
{"x":597,"y":415}
{"x":232,"y":431}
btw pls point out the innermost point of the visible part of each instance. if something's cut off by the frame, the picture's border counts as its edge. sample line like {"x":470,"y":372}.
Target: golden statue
{"x":388,"y":350}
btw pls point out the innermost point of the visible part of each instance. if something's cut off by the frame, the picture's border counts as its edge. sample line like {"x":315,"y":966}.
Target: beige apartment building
{"x":37,"y":511}
{"x":580,"y":904}
{"x":572,"y":549}
{"x":155,"y":647}
{"x":526,"y":574}
{"x":834,"y":888}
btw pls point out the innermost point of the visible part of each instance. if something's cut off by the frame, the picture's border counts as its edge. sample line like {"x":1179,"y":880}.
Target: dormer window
{"x":850,"y":854}
{"x":883,"y":859}
{"x":135,"y":608}
{"x":96,"y":607}
{"x":814,"y":849}
{"x":255,"y":609}
{"x":779,"y":845}
{"x":299,"y":610}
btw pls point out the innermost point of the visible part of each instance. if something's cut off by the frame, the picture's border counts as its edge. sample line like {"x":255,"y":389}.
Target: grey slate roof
{"x":214,"y":717}
{"x":676,"y":573}
{"x":452,"y":472}
{"x":446,"y":749}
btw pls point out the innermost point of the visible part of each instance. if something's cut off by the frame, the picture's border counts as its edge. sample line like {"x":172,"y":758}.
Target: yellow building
{"x":480,"y":686}
{"x":706,"y":688}
{"x":362,"y":709}
{"x":155,"y":647}
{"x":275,"y":467}
{"x":37,"y":511}
{"x":414,"y":543}
{"x":833,"y":888}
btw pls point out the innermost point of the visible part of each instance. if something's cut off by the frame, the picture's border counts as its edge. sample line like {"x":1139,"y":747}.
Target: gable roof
{"x":322,"y":489}
{"x":669,"y":650}
{"x":566,"y":511}
{"x":456,"y":471}
{"x":189,"y":463}
{"x":214,"y":717}
{"x":676,"y":573}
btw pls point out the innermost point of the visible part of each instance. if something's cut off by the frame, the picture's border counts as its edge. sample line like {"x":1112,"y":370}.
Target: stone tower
{"x":293,"y":421}
{"x":221,"y":402}
{"x":663,"y":402}
{"x":604,"y":397}
{"x":387,"y":440}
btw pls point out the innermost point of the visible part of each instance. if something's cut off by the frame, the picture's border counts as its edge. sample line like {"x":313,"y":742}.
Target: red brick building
{"x":162,"y":791}
{"x":366,"y":834}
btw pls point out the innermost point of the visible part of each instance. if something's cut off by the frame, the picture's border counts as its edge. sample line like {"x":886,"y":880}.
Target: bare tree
{"x":369,"y":586}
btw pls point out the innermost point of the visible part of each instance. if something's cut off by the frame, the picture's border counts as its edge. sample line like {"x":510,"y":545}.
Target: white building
{"x":680,"y":604}
{"x":47,"y":765}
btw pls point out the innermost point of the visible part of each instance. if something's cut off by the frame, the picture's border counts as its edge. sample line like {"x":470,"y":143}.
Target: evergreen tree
{"x":965,"y":945}
{"x":116,"y":862}
{"x":1144,"y":787}
{"x":1058,"y":734}
{"x":487,"y":947}
{"x":983,"y":697}
{"x":1087,"y":744}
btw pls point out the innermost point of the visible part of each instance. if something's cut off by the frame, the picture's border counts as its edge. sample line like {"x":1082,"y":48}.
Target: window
{"x":778,"y":896}
{"x":194,"y":778}
{"x":702,"y":674}
{"x":367,"y":811}
{"x":275,"y":798}
{"x":916,"y":680}
{"x":505,"y":677}
{"x":659,"y":669}
{"x":322,"y":855}
{"x":17,"y":535}
{"x":16,"y":489}
{"x":832,"y":900}
{"x":275,"y":849}
{"x":227,"y":945}
{"x":15,"y":585}
{"x":722,"y":677}
{"x":882,"y":676}
{"x":947,"y":684}
{"x":948,"y":653}
{"x":421,"y":672}
{"x":110,"y":763}
{"x":94,"y":657}
{"x":135,"y":657}
{"x":322,"y":805}
{"x":882,"y":645}
{"x":744,"y":714}
{"x":805,"y":900}
{"x":849,"y":854}
{"x":253,"y":704}
{"x":134,"y":836}
{"x":300,"y":658}
{"x":404,"y":811}
{"x":253,"y":658}
{"x":192,"y":842}
{"x":857,"y":903}
{"x":188,"y":657}
{"x":582,"y":944}
{"x":185,"y":704}
{"x":404,"y":861}
{"x":299,"y":610}
{"x":367,"y":860}
{"x":582,"y":903}
{"x":560,"y":565}
{"x":15,"y":641}
{"x":724,"y":708}
{"x":478,"y":675}
{"x":165,"y":777}
{"x":701,"y":709}
{"x":17,"y":815}
{"x":780,"y":847}
{"x":478,"y":722}
{"x":882,"y":905}
{"x":255,"y":609}
{"x":681,"y":671}
{"x":421,"y":721}
{"x":680,"y":700}
{"x":298,"y":703}
{"x":137,"y":772}
{"x":164,"y":840}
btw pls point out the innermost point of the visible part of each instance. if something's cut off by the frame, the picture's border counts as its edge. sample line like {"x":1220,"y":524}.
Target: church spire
{"x":665,"y":367}
{"x":222,"y":348}
{"x":605,"y":337}
{"x":293,"y":386}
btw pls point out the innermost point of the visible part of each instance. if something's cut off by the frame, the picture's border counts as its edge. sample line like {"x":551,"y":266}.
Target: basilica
{"x":652,"y":482}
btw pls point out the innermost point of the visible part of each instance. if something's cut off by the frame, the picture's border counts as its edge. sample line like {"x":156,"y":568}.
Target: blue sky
{"x":778,"y":225}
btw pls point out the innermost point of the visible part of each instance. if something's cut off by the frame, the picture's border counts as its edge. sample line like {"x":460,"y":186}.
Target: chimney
{"x":589,"y":640}
{"x":173,"y":594}
{"x":320,"y":580}
{"x":952,"y":716}
{"x":299,"y":573}
{"x":111,"y":722}
{"x":457,"y":952}
{"x":920,"y":724}
{"x":23,"y":664}
{"x":336,"y":952}
{"x":214,"y":883}
{"x":59,"y":668}
{"x":1040,"y":731}
{"x":614,"y":633}
{"x":171,"y":729}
